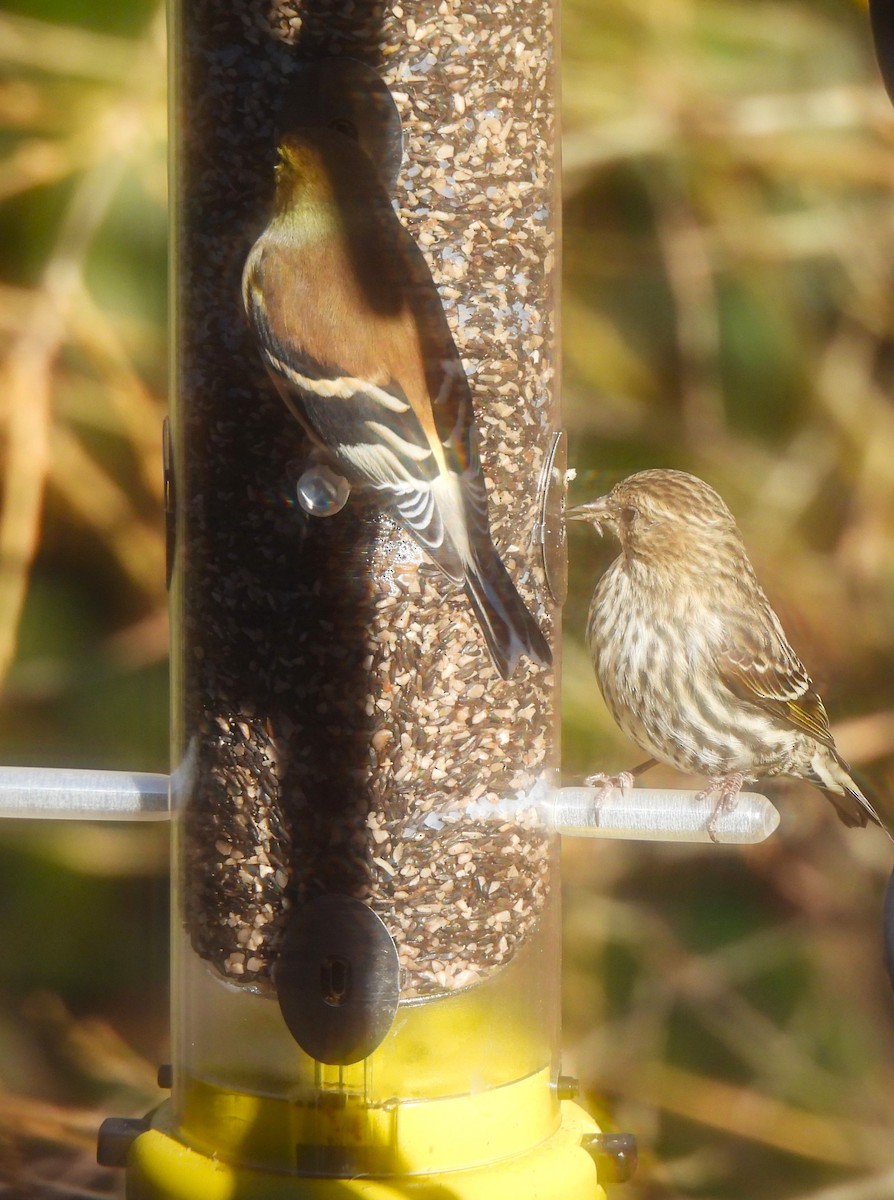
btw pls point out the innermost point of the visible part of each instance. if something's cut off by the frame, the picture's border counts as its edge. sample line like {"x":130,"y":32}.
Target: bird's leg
{"x":727,"y":788}
{"x":643,"y":767}
{"x":623,"y":781}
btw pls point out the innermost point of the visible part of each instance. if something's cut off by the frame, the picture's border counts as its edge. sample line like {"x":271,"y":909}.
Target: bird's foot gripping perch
{"x":727,"y":788}
{"x":609,"y":783}
{"x":622,"y":782}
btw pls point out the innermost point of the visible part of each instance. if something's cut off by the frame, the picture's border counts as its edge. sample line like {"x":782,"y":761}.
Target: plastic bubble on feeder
{"x":322,"y":492}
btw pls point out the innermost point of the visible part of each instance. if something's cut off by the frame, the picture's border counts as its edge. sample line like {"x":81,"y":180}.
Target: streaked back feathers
{"x":690,"y":656}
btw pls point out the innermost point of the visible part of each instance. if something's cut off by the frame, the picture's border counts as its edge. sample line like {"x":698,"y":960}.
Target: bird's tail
{"x":853,"y":807}
{"x":509,"y":629}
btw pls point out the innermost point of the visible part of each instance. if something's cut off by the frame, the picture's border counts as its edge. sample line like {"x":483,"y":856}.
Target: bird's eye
{"x":629,"y":514}
{"x":343,"y":125}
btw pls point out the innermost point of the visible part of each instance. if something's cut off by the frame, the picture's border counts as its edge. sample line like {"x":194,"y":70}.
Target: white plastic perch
{"x":645,"y":814}
{"x":658,"y":815}
{"x":64,"y":793}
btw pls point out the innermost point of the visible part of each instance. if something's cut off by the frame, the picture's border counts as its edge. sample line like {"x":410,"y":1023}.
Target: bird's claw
{"x":727,"y":788}
{"x":610,"y":783}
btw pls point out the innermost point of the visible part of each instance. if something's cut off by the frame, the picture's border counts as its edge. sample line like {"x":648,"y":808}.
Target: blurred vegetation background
{"x":729,"y":310}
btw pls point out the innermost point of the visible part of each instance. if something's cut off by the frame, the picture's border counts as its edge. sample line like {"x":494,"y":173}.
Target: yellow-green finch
{"x":352,"y":332}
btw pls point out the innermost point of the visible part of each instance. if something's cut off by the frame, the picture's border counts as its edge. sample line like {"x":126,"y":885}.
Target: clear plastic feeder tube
{"x":333,"y":692}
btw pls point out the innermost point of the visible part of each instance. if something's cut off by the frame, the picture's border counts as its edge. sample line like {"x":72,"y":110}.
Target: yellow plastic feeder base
{"x":161,"y":1168}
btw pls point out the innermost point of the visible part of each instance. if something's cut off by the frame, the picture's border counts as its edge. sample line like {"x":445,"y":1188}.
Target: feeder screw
{"x":116,"y":1136}
{"x":614,"y":1154}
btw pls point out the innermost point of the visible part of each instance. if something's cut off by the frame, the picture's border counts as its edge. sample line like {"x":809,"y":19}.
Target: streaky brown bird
{"x":690,"y":657}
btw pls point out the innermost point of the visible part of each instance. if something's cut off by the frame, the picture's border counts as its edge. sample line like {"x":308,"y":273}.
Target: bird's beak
{"x":596,"y":513}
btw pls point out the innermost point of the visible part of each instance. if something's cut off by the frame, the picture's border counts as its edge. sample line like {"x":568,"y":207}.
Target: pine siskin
{"x":352,"y":332}
{"x":690,"y":657}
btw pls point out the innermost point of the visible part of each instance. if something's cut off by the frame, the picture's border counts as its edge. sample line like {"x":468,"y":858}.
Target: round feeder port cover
{"x":337,"y":979}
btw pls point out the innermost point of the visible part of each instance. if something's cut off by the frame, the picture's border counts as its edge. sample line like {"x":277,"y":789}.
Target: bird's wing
{"x":767,"y":672}
{"x":447,"y":392}
{"x":355,"y":410}
{"x":432,"y":374}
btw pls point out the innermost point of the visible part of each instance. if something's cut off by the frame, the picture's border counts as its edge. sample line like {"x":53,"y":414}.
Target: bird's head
{"x":300,"y":165}
{"x":666,"y":513}
{"x":322,"y":168}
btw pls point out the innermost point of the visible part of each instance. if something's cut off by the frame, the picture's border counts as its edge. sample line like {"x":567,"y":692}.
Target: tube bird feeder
{"x":365,"y":801}
{"x":366,"y":976}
